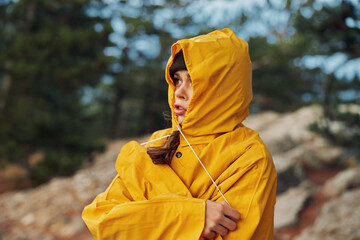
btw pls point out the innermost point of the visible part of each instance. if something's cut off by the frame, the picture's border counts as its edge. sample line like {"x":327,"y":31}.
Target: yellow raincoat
{"x":147,"y":201}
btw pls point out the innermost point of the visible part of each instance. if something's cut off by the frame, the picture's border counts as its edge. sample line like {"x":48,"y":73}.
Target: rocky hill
{"x":318,"y":188}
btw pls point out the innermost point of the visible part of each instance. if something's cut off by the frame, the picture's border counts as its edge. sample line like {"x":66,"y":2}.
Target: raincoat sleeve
{"x":144,"y":201}
{"x":251,"y":189}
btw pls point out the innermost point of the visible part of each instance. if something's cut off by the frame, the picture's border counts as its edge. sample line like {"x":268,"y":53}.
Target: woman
{"x":212,"y":177}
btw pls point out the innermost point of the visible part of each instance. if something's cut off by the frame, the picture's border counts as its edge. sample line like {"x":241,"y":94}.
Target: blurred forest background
{"x":76,"y":73}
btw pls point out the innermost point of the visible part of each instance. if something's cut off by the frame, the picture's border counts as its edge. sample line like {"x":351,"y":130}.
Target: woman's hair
{"x":164,"y":153}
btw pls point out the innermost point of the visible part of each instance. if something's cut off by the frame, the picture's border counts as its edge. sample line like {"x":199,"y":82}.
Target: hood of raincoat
{"x":220,"y":69}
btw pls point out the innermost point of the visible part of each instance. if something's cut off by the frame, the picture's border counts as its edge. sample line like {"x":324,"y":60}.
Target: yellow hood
{"x":220,"y":68}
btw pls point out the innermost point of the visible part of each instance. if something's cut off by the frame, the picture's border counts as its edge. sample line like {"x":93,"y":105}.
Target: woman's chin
{"x":180,"y":118}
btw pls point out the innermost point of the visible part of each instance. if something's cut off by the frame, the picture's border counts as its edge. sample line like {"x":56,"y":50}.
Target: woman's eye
{"x":177,"y":82}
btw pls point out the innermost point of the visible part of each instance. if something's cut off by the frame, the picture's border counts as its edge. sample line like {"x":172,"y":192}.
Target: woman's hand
{"x":220,"y":218}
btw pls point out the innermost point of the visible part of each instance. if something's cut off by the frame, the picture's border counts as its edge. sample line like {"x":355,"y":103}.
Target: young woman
{"x":208,"y":176}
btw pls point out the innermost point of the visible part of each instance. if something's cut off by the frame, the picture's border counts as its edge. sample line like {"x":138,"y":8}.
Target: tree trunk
{"x":328,"y":116}
{"x":6,"y":85}
{"x":114,"y":121}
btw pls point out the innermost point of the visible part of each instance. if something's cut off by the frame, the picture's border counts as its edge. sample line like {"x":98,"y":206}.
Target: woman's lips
{"x":179,"y":110}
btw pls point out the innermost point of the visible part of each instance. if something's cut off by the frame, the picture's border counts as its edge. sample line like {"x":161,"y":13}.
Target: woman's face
{"x":183,"y":93}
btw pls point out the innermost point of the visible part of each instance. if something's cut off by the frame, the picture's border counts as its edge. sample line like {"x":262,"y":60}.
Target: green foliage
{"x":338,"y":138}
{"x":136,"y":97}
{"x":50,"y":52}
{"x":327,"y":34}
{"x":55,"y":161}
{"x":63,"y":162}
{"x":278,"y":83}
{"x":350,"y":118}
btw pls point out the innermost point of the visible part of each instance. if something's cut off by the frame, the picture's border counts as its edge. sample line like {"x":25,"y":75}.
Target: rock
{"x":344,"y":180}
{"x":261,"y":120}
{"x":316,"y":153}
{"x":67,"y":227}
{"x":287,"y":130}
{"x":280,"y":146}
{"x":326,"y":153}
{"x":288,"y":135}
{"x":304,"y":157}
{"x":53,"y":210}
{"x":339,"y":219}
{"x":289,"y":205}
{"x":290,"y":173}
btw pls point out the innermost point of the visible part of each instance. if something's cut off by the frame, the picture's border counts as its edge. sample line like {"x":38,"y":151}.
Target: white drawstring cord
{"x":142,"y":144}
{"x":203,"y":166}
{"x":196,"y":157}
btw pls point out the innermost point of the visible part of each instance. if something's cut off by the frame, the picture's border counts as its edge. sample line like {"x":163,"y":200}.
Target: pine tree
{"x":51,"y":51}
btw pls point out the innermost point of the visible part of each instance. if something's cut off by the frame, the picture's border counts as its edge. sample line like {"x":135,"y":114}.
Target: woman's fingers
{"x":221,"y":230}
{"x":209,"y":234}
{"x":220,"y":218}
{"x":230,"y":212}
{"x":228,"y":223}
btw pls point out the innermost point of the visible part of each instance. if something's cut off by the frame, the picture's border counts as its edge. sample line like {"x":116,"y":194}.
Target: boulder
{"x":344,"y":180}
{"x":289,"y":126}
{"x":304,"y":157}
{"x":53,"y":210}
{"x":339,"y":219}
{"x":326,"y":153}
{"x":316,"y":153}
{"x":290,"y":204}
{"x":290,"y":173}
{"x":261,"y":121}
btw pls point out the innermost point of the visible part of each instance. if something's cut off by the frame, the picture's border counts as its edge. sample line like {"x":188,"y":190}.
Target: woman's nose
{"x":180,"y":92}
